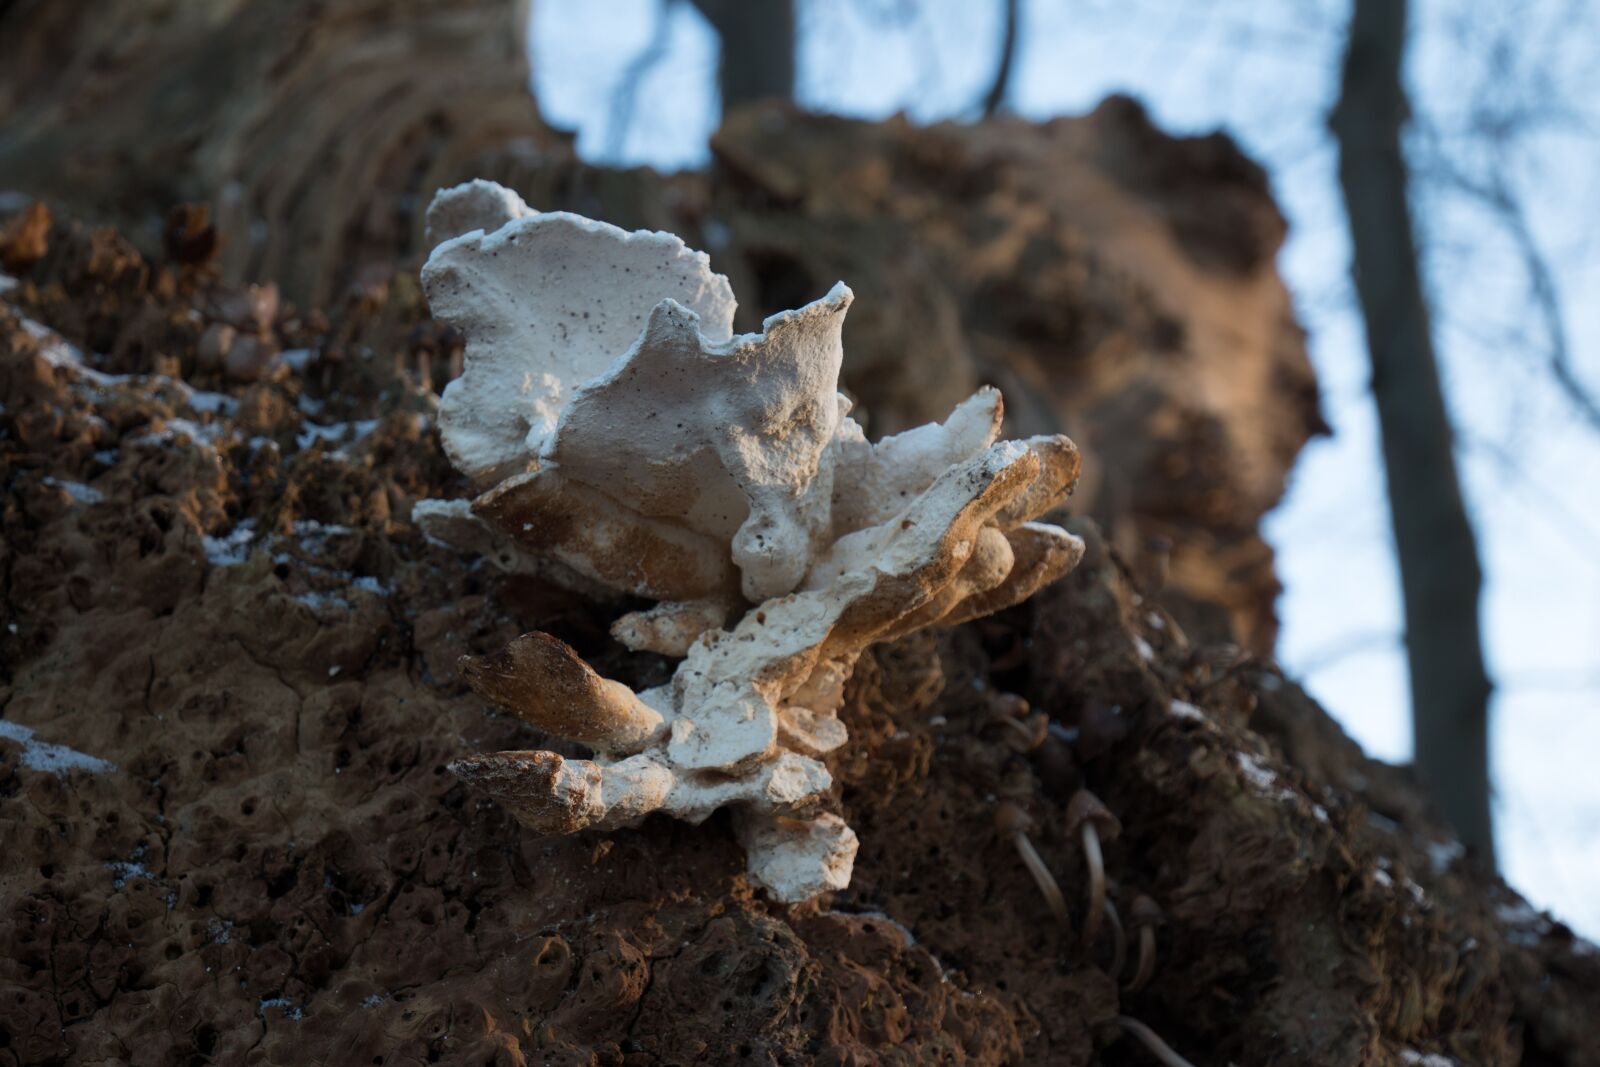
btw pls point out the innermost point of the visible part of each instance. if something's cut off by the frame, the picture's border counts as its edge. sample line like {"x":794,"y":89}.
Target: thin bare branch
{"x":1546,"y":298}
{"x":996,"y":96}
{"x":625,"y":98}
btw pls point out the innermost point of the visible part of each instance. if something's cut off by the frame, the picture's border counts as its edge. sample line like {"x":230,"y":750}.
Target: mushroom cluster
{"x":620,"y":436}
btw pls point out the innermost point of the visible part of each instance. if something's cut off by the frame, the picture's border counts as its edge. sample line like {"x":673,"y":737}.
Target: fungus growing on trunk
{"x":1011,"y":821}
{"x":1144,"y":916}
{"x":1152,"y":1041}
{"x":619,"y":435}
{"x":1090,"y":820}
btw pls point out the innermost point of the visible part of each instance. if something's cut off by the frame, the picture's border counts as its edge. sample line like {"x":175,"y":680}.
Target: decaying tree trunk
{"x":1119,"y":284}
{"x":229,"y":689}
{"x":1438,"y":555}
{"x":228,"y":682}
{"x":316,"y":129}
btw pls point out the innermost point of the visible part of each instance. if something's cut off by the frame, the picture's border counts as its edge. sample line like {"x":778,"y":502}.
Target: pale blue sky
{"x":1267,"y":73}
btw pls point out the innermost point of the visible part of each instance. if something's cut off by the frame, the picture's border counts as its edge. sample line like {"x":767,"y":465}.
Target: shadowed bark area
{"x":1440,"y":575}
{"x":316,"y":129}
{"x":229,"y":674}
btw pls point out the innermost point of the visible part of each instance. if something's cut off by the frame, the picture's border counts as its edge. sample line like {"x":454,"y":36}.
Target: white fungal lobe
{"x":622,"y":438}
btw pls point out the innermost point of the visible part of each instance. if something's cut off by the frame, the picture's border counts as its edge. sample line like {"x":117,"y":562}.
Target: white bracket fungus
{"x":619,"y":433}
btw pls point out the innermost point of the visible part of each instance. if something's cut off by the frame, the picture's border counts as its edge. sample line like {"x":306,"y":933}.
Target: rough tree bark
{"x":229,"y":696}
{"x":1119,"y":284}
{"x":227,"y":656}
{"x":316,"y":129}
{"x":1439,"y":571}
{"x":758,"y":48}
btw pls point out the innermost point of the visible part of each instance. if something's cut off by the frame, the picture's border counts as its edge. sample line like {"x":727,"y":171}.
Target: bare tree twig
{"x":996,"y":95}
{"x":1353,"y":644}
{"x":1499,"y":117}
{"x":625,"y":98}
{"x":1557,"y":513}
{"x":1546,"y":297}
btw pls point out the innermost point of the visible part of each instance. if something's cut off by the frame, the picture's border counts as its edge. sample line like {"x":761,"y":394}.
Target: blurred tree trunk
{"x":316,"y":129}
{"x":758,"y":44}
{"x":1439,"y":570}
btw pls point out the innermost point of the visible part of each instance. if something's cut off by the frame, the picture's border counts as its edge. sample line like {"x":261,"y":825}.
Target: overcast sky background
{"x":1503,"y":91}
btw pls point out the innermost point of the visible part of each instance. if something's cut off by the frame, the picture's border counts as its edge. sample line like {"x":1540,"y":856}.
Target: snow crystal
{"x":312,"y":530}
{"x":1382,"y":877}
{"x":210,"y":403}
{"x":1185,"y":710}
{"x":318,"y":601}
{"x":312,"y":432}
{"x":231,"y":549}
{"x":1441,"y":854}
{"x":1259,"y":776}
{"x":371,"y":585}
{"x":59,"y":352}
{"x":57,"y":759}
{"x":1066,"y":734}
{"x":123,"y":872}
{"x":204,"y":436}
{"x":1262,"y":778}
{"x":200,"y":435}
{"x":374,"y":1000}
{"x":1411,"y":1056}
{"x":290,"y":1009}
{"x":83,"y":494}
{"x":298,"y":359}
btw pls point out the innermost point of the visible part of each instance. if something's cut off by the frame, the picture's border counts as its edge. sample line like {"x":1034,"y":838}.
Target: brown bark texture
{"x":1115,"y":282}
{"x":317,"y":129}
{"x":228,"y":659}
